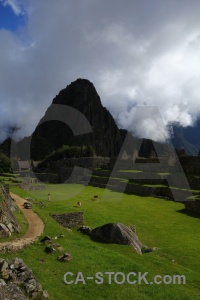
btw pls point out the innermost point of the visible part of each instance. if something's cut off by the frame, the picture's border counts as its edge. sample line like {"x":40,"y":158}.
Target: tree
{"x":5,"y":164}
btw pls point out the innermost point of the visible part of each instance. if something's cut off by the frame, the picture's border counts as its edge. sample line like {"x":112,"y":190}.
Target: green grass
{"x":7,"y":178}
{"x":159,"y":223}
{"x":164,"y":173}
{"x":130,"y":171}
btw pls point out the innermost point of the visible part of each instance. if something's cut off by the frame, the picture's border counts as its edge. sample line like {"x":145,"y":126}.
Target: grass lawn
{"x":159,"y":223}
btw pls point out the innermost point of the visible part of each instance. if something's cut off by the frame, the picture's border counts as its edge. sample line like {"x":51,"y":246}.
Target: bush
{"x":68,"y":152}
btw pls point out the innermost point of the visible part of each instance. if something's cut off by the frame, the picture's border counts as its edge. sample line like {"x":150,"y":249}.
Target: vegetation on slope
{"x":159,"y":223}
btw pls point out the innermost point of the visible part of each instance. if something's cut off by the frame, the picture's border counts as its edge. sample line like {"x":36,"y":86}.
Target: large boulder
{"x":117,"y":233}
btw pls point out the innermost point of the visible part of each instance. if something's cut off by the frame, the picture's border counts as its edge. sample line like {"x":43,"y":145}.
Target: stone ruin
{"x":69,"y":220}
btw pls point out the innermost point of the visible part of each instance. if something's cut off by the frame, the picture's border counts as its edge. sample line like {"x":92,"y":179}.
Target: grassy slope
{"x":159,"y":223}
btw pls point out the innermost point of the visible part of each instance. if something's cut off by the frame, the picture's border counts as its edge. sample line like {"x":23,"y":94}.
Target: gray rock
{"x":30,"y":288}
{"x":4,"y":231}
{"x":146,"y":249}
{"x":65,"y":257}
{"x":4,"y":270}
{"x":21,"y":280}
{"x":85,"y":230}
{"x":61,"y":235}
{"x":57,"y":247}
{"x":10,"y":227}
{"x":50,"y":249}
{"x":12,"y":266}
{"x":117,"y":233}
{"x":45,"y":295}
{"x":1,"y":260}
{"x":3,"y":265}
{"x":2,"y":282}
{"x":45,"y":239}
{"x":8,"y":223}
{"x":11,"y":292}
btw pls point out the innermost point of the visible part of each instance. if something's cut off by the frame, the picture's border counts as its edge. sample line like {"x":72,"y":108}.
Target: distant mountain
{"x":187,"y":138}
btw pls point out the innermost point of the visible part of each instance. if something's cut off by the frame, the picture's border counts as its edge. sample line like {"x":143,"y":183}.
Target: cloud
{"x":14,"y":5}
{"x":135,"y":53}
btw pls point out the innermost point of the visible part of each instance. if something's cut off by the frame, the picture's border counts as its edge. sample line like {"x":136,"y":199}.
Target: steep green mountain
{"x":104,"y":138}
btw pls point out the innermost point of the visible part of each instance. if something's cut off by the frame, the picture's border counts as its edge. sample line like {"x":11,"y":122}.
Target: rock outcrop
{"x":8,"y":222}
{"x":117,"y":233}
{"x":5,"y":191}
{"x":17,"y":281}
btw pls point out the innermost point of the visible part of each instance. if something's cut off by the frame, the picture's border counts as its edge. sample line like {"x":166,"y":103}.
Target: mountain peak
{"x":81,"y":94}
{"x":79,"y":91}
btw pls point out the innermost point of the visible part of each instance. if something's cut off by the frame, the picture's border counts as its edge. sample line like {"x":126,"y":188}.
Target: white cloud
{"x":15,"y":6}
{"x":141,"y":53}
{"x":168,"y":79}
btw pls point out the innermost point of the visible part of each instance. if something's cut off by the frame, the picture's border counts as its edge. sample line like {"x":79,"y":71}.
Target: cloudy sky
{"x":136,"y":53}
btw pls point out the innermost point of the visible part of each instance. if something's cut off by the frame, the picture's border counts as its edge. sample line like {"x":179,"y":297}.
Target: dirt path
{"x":35,"y":229}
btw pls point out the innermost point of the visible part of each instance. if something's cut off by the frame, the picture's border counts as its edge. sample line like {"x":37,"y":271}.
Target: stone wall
{"x":69,"y":220}
{"x":137,"y":189}
{"x":84,"y":162}
{"x":31,"y":187}
{"x":61,"y":171}
{"x":192,"y":206}
{"x":100,"y":172}
{"x":190,"y":164}
{"x":48,"y":177}
{"x":194,"y":183}
{"x":78,"y":176}
{"x":162,"y":192}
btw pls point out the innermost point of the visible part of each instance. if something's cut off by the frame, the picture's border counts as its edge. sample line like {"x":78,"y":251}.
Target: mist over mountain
{"x":187,"y":138}
{"x":94,"y":127}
